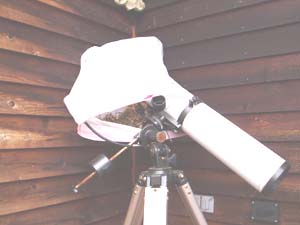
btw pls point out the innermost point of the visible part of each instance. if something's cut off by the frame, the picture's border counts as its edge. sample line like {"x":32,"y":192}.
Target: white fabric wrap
{"x":122,"y":73}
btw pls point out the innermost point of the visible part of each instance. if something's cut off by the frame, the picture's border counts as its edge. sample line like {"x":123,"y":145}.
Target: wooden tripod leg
{"x":190,"y":204}
{"x":135,"y":210}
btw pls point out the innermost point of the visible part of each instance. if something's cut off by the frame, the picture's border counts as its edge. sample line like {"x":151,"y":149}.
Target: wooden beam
{"x":28,"y":100}
{"x":188,"y":10}
{"x":185,"y":220}
{"x":244,"y":19}
{"x":235,"y":48}
{"x":92,"y":10}
{"x":41,"y":163}
{"x":270,"y":127}
{"x":86,"y":210}
{"x":66,"y":222}
{"x":118,"y":219}
{"x":33,"y":194}
{"x":107,"y":207}
{"x":268,"y":69}
{"x":25,"y":39}
{"x":39,"y":132}
{"x":43,"y":16}
{"x":265,"y":97}
{"x":37,"y":71}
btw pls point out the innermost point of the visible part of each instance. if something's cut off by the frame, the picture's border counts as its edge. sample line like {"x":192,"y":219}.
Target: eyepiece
{"x":158,"y":103}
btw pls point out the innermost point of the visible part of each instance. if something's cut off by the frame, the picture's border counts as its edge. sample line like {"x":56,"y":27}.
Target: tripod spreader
{"x":154,"y":177}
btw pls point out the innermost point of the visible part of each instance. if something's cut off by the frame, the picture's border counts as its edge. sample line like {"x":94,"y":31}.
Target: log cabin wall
{"x":242,"y":58}
{"x":41,"y":156}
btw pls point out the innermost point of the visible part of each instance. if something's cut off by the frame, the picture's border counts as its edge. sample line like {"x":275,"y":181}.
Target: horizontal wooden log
{"x":40,"y":15}
{"x":189,"y":10}
{"x":185,"y":220}
{"x":266,"y":97}
{"x":270,"y":127}
{"x":269,"y":69}
{"x":87,"y":210}
{"x":18,"y":165}
{"x":176,"y":220}
{"x":229,"y":184}
{"x":36,"y":71}
{"x":94,"y":11}
{"x":66,"y":222}
{"x":105,"y":208}
{"x":118,"y":219}
{"x":28,"y":195}
{"x":42,"y":163}
{"x":38,"y":132}
{"x":192,"y":155}
{"x":245,"y":19}
{"x":235,"y":48}
{"x":27,"y":100}
{"x":26,"y":39}
{"x":231,"y":210}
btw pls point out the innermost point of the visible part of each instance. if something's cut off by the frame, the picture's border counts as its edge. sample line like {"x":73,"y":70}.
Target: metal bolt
{"x":180,"y":175}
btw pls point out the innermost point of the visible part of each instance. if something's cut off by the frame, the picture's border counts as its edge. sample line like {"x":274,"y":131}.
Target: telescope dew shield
{"x":242,"y":153}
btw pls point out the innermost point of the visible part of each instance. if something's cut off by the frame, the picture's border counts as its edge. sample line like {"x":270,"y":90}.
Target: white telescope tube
{"x":242,"y":153}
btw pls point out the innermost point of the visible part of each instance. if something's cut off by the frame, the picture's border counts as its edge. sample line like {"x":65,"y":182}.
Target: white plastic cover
{"x":119,"y":74}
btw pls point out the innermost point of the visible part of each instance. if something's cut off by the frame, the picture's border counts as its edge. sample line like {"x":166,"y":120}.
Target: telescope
{"x":131,"y":71}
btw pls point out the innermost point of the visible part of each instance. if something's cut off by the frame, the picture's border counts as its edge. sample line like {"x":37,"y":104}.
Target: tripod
{"x":149,"y":197}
